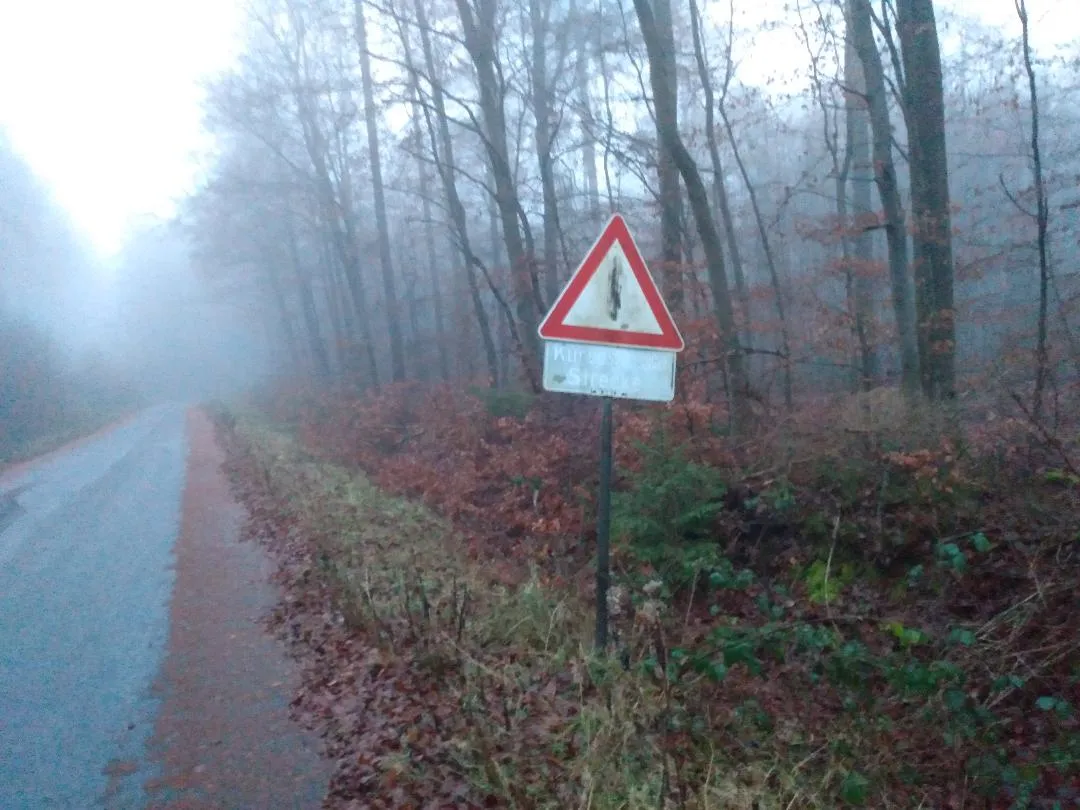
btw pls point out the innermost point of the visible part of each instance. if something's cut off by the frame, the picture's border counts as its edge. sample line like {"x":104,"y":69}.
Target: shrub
{"x":668,"y":513}
{"x":504,"y":402}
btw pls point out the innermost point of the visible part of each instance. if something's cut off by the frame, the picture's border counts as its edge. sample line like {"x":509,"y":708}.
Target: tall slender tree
{"x":859,"y":175}
{"x":442,"y":151}
{"x":1042,"y":219}
{"x":667,"y":122}
{"x":861,"y":28}
{"x":480,"y":24}
{"x":924,"y":106}
{"x":397,"y":354}
{"x":720,"y":193}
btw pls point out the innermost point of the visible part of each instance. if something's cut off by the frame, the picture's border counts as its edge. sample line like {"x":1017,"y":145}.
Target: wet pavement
{"x":134,"y":672}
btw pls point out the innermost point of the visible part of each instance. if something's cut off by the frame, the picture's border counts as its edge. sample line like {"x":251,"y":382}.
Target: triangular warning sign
{"x":612,"y":299}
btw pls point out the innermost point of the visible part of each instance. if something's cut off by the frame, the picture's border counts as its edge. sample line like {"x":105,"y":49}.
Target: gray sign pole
{"x":603,"y":528}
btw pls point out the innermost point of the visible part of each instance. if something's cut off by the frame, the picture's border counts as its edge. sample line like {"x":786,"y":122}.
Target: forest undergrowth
{"x":865,"y":604}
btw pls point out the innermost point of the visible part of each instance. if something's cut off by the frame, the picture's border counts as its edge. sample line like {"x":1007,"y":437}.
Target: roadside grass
{"x":877,"y":617}
{"x":529,"y":716}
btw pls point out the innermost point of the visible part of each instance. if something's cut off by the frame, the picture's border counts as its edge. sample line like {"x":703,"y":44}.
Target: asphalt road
{"x":104,"y":698}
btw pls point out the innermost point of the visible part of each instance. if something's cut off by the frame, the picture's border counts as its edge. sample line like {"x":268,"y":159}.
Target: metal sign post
{"x":603,"y":527}
{"x":610,"y":334}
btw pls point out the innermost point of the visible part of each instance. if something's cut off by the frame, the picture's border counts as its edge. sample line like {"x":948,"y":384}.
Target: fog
{"x":83,"y":340}
{"x":171,"y":329}
{"x":363,"y":199}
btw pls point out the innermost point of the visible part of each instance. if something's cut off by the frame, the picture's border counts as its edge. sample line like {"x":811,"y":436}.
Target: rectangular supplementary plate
{"x":596,"y":370}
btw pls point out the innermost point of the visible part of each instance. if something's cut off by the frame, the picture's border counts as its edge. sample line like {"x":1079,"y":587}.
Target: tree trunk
{"x":424,"y":187}
{"x":770,"y":262}
{"x":397,"y":355}
{"x":336,"y":202}
{"x":665,"y":84}
{"x":344,"y":240}
{"x":445,"y":166}
{"x":333,"y":297}
{"x":861,"y":246}
{"x":433,"y":275}
{"x":667,"y":124}
{"x":416,"y":347}
{"x":479,"y":33}
{"x":348,"y":247}
{"x":1042,"y":222}
{"x":337,"y":211}
{"x":924,"y":105}
{"x":588,"y":135}
{"x":503,"y":342}
{"x":720,"y":194}
{"x":541,"y":102}
{"x":307,"y":305}
{"x":860,"y":21}
{"x":284,"y":317}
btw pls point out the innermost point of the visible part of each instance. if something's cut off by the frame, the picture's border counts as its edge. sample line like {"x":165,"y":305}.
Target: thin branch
{"x":1013,"y":199}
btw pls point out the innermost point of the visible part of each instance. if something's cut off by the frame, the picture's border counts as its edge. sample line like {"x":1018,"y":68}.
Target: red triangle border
{"x":554,"y":327}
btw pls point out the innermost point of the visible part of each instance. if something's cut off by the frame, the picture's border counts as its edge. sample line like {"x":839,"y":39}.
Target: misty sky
{"x":103,"y":98}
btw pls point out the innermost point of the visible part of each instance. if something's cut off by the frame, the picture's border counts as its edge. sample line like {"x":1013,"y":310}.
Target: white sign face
{"x":595,"y":370}
{"x":613,"y":299}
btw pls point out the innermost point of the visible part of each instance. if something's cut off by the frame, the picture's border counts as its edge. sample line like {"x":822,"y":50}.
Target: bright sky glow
{"x":102,"y":96}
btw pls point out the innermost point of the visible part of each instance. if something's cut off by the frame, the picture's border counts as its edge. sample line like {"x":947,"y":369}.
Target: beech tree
{"x":924,"y":107}
{"x":860,"y":22}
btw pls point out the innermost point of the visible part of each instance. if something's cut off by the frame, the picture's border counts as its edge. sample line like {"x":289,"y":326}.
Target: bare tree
{"x":763,"y":231}
{"x":479,"y":25}
{"x":859,"y":174}
{"x":584,"y":99}
{"x":924,"y":105}
{"x":861,"y":28}
{"x":293,"y":107}
{"x":667,"y":124}
{"x":424,"y":188}
{"x":720,"y":194}
{"x":1042,"y":219}
{"x":397,"y":355}
{"x":850,"y":165}
{"x":540,"y":23}
{"x":442,"y":151}
{"x":307,"y":300}
{"x":671,"y":213}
